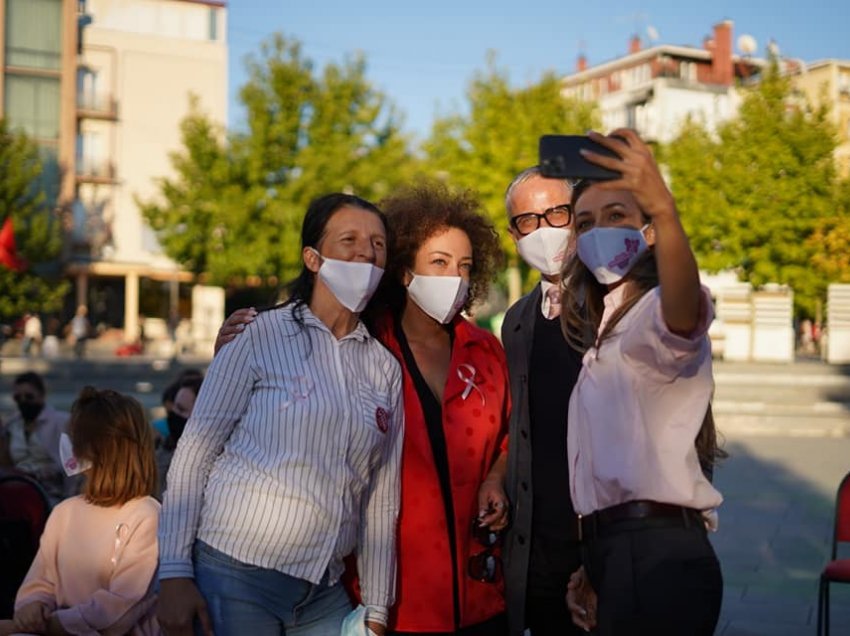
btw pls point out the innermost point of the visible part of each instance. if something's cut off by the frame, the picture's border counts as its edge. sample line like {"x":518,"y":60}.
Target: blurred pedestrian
{"x":30,"y":441}
{"x":32,"y":334}
{"x":80,"y":331}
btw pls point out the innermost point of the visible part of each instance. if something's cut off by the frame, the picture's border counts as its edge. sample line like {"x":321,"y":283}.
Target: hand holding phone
{"x":560,"y":158}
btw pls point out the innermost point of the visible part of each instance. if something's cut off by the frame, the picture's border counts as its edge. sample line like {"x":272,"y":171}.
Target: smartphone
{"x":560,"y":158}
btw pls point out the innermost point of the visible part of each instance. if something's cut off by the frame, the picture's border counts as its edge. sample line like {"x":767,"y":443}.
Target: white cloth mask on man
{"x":441,"y":297}
{"x":351,"y":282}
{"x":611,"y":252}
{"x":545,"y":249}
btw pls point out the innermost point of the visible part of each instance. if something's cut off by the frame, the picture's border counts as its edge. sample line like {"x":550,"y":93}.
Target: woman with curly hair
{"x":441,"y":255}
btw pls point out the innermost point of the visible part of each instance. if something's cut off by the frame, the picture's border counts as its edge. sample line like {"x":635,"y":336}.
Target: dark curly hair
{"x":417,"y":212}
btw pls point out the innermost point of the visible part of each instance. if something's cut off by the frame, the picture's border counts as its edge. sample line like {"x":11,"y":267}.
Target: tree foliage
{"x":830,"y":242}
{"x":36,"y":228}
{"x":487,"y":147}
{"x":235,"y":205}
{"x":752,"y":197}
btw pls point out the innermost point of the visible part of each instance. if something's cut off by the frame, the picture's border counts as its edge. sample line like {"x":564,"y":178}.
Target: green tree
{"x":751,"y":197}
{"x":487,"y":147}
{"x":36,"y":230}
{"x":235,"y":205}
{"x":830,"y":242}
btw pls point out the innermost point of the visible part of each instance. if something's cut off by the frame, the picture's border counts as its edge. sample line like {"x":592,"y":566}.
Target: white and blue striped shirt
{"x":291,"y":458}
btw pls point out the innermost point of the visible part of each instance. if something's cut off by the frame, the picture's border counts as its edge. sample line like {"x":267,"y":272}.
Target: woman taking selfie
{"x":634,"y":305}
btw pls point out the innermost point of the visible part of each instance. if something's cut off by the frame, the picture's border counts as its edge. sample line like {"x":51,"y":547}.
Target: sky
{"x":423,"y":54}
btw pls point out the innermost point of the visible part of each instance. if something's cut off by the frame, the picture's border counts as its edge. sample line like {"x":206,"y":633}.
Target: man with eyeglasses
{"x":29,"y":442}
{"x":542,"y":546}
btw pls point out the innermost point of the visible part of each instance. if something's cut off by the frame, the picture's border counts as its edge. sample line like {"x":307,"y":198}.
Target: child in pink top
{"x":98,"y":555}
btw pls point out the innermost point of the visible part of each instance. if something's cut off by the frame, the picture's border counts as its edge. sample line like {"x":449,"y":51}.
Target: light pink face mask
{"x":70,"y":463}
{"x":611,"y":252}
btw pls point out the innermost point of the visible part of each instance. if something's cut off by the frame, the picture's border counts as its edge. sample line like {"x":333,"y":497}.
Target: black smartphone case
{"x":560,"y":158}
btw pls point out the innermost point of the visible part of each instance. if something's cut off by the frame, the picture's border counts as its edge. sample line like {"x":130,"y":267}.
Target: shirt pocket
{"x":376,"y":409}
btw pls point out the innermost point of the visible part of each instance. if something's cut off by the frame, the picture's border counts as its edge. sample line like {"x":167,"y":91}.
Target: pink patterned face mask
{"x":611,"y":252}
{"x":70,"y":463}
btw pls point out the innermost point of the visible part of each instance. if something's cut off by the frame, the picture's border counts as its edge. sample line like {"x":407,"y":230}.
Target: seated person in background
{"x":29,"y":442}
{"x":160,"y":425}
{"x":180,"y":411}
{"x":98,"y":554}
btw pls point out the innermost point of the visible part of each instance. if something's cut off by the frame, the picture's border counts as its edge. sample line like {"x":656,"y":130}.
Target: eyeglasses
{"x":557,"y":216}
{"x":485,"y":566}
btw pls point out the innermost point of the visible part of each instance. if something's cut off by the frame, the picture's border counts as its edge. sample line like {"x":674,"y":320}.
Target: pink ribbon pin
{"x":466,"y":373}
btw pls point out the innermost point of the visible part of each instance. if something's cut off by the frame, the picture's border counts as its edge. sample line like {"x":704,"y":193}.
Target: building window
{"x":688,"y":71}
{"x":32,"y":105}
{"x":213,"y":30}
{"x":34,"y":34}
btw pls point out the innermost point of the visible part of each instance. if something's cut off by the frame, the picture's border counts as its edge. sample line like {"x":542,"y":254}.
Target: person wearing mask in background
{"x":160,"y":425}
{"x":30,"y":441}
{"x":176,"y":418}
{"x":290,"y":460}
{"x":442,"y":256}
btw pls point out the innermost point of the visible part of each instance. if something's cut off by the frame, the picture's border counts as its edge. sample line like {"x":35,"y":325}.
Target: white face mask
{"x":351,"y":282}
{"x":441,"y":297}
{"x":71,"y":464}
{"x":545,"y":249}
{"x":611,"y":252}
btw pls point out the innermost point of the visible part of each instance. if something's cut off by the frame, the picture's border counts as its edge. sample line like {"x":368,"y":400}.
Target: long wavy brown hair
{"x":582,"y":306}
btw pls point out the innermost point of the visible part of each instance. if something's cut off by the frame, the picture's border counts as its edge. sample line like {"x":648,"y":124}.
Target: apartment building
{"x":102,"y":86}
{"x":654,"y":90}
{"x":38,"y":44}
{"x":828,"y":81}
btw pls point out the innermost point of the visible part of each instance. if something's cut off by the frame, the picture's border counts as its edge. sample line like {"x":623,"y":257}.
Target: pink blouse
{"x":95,"y":566}
{"x":636,"y":410}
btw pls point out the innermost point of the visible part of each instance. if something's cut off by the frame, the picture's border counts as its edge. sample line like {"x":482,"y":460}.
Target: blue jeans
{"x":246,"y":599}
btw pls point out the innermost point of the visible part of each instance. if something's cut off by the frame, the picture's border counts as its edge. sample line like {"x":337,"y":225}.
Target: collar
{"x":465,"y":333}
{"x":612,"y":301}
{"x":545,"y":286}
{"x":311,"y":320}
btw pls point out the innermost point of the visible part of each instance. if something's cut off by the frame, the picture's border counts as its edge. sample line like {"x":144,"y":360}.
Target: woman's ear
{"x":649,"y":235}
{"x":406,"y":278}
{"x":311,"y":258}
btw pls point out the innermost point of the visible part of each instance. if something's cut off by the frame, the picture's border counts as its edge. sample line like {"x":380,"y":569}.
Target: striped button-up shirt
{"x":291,"y":458}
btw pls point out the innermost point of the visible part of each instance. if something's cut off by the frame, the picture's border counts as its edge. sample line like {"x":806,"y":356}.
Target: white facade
{"x":658,"y":108}
{"x":141,"y":61}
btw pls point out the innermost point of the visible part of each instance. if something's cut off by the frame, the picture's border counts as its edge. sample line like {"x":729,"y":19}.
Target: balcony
{"x":95,"y":106}
{"x":95,"y":171}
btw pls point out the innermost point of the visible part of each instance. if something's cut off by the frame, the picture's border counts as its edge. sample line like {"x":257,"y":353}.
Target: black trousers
{"x":553,"y":560}
{"x":549,"y":617}
{"x":651,"y":578}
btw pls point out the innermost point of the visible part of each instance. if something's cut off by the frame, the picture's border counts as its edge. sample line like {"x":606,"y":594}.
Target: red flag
{"x":8,"y":250}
